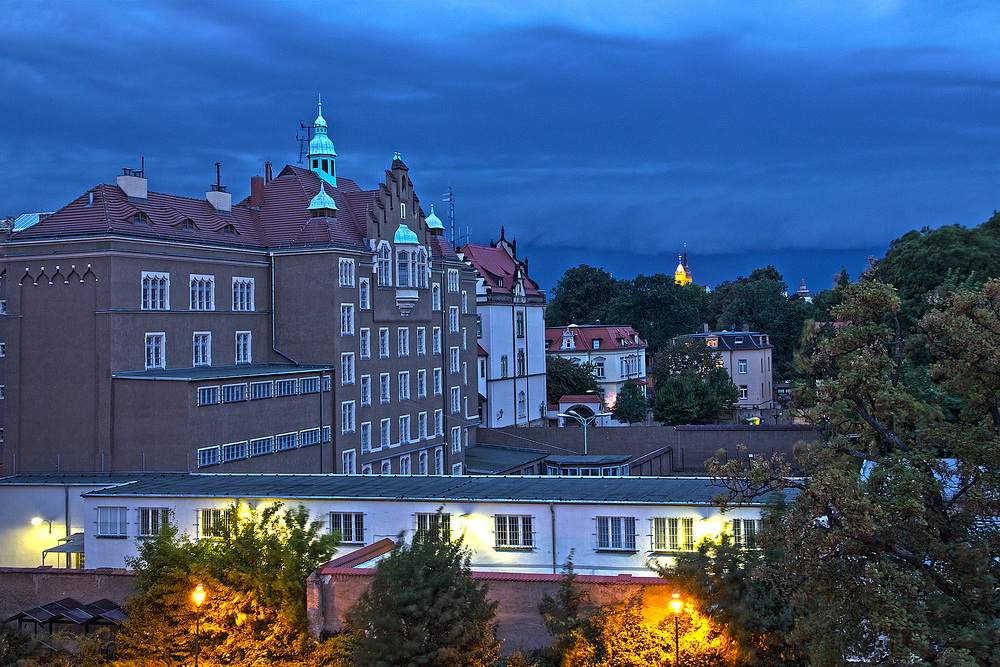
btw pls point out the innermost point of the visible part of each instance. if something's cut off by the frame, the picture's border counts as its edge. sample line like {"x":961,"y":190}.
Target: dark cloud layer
{"x":612,"y":147}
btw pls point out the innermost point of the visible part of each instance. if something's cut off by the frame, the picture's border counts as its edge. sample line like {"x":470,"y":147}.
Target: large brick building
{"x":312,"y":327}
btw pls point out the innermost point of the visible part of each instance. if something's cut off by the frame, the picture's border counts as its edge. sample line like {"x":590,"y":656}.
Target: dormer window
{"x":739,"y":341}
{"x":229,"y":230}
{"x":499,"y":282}
{"x":712,"y":342}
{"x":188,"y":223}
{"x":596,"y":343}
{"x":140,"y":218}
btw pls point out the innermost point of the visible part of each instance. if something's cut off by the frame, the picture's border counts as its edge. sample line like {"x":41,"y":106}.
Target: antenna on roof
{"x":304,"y":136}
{"x":449,"y":197}
{"x":142,"y":167}
{"x":218,"y":187}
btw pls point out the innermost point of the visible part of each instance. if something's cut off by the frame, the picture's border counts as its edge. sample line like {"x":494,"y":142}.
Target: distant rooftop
{"x":220,"y":372}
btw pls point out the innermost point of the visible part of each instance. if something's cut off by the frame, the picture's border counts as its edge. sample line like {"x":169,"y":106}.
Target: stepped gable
{"x":494,"y":263}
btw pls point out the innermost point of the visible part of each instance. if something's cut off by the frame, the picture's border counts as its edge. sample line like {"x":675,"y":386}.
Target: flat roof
{"x":82,"y":478}
{"x":493,"y":459}
{"x":590,"y":459}
{"x":220,"y":372}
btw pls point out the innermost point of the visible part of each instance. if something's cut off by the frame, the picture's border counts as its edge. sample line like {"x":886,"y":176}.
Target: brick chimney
{"x":256,"y":192}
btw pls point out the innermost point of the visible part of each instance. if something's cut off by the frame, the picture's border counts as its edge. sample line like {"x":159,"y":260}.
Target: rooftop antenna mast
{"x":304,"y":136}
{"x":449,"y":197}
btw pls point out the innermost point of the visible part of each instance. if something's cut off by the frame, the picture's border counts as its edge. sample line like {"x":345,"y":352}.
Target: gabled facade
{"x":510,"y":330}
{"x":746,"y":356}
{"x":313,"y":327}
{"x":616,"y":352}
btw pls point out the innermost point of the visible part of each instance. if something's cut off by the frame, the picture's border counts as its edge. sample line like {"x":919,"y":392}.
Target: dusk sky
{"x":806,"y":134}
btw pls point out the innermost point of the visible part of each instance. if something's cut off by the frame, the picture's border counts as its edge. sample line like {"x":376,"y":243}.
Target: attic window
{"x":229,"y":230}
{"x":140,"y":218}
{"x":188,"y":223}
{"x":499,"y":282}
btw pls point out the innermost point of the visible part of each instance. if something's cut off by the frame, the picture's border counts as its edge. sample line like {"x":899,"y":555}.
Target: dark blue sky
{"x":802,"y":134}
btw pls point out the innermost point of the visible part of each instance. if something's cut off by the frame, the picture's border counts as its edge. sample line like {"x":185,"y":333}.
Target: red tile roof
{"x":584,"y":336}
{"x":495,"y":265}
{"x":329,"y":569}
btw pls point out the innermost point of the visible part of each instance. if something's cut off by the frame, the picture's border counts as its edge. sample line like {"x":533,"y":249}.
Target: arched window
{"x":520,"y":363}
{"x":522,"y":405}
{"x":404,"y":268}
{"x":519,"y":324}
{"x":421,"y":270}
{"x":383,"y":265}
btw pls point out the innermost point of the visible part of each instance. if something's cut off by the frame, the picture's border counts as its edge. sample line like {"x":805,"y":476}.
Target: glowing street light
{"x":37,"y":521}
{"x":198,"y":596}
{"x":676,"y":604}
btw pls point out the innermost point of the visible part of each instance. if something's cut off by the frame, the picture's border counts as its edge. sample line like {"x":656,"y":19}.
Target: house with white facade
{"x":746,"y":356}
{"x":524,"y":524}
{"x":510,"y":331}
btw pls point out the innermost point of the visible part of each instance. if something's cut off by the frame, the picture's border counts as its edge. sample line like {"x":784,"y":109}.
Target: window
{"x":402,"y":210}
{"x":438,"y":522}
{"x":234,"y":451}
{"x":202,"y":348}
{"x":366,"y":390}
{"x":422,"y":463}
{"x":519,"y":324}
{"x":286,"y":441}
{"x":208,"y":395}
{"x":155,"y":344}
{"x":745,"y":533}
{"x":383,"y":342}
{"x":439,"y":422}
{"x":152,"y":520}
{"x":259,"y":446}
{"x":155,"y":291}
{"x":479,"y":326}
{"x":349,"y":525}
{"x":452,"y":280}
{"x":436,"y":340}
{"x":465,"y":339}
{"x":421,"y":270}
{"x":347,"y":368}
{"x":599,"y":370}
{"x":465,"y":302}
{"x":383,"y":265}
{"x":406,"y":268}
{"x":436,"y":297}
{"x":437,"y":382}
{"x":366,"y":469}
{"x":212,"y":522}
{"x":453,"y":319}
{"x":404,"y":465}
{"x":346,"y":417}
{"x":456,"y":399}
{"x":742,"y":365}
{"x":202,"y":292}
{"x":327,"y":434}
{"x":673,"y":534}
{"x":421,"y":341}
{"x":404,"y":385}
{"x":365,"y":341}
{"x":596,"y":342}
{"x":456,"y":439}
{"x":385,"y":433}
{"x":404,"y":429}
{"x":234,"y":392}
{"x":482,"y":367}
{"x":309,"y":437}
{"x":453,"y":360}
{"x":243,"y":294}
{"x":349,"y":462}
{"x":422,"y":426}
{"x":243,"y":339}
{"x":366,"y":437}
{"x":403,"y":335}
{"x":309,"y":385}
{"x":439,"y":461}
{"x":3,"y":349}
{"x":422,"y":383}
{"x":521,"y":364}
{"x":522,"y":405}
{"x":208,"y":456}
{"x":504,"y":371}
{"x":140,"y":218}
{"x":284,"y":388}
{"x":347,"y":319}
{"x":383,"y":387}
{"x":365,"y":293}
{"x":512,"y":531}
{"x":616,"y":533}
{"x":456,"y":468}
{"x":347,"y":273}
{"x":744,"y":392}
{"x":112,"y":522}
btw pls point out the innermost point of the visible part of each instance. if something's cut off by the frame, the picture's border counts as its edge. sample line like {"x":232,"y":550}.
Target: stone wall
{"x":24,"y":588}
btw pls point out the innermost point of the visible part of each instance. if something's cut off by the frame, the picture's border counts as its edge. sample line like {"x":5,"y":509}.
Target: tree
{"x":424,"y":608}
{"x":691,"y":388}
{"x":658,"y":308}
{"x":563,"y":377}
{"x":631,"y":405}
{"x":255,"y":573}
{"x":892,"y":545}
{"x":582,"y":296}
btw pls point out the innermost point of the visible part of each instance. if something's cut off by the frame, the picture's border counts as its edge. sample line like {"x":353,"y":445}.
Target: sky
{"x":807,"y":134}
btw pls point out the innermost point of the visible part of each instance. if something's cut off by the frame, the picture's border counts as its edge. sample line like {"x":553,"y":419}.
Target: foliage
{"x":254,"y":574}
{"x":684,"y":356}
{"x":658,"y":308}
{"x":424,"y":608}
{"x":691,"y":398}
{"x":564,"y":613}
{"x":563,"y":377}
{"x":891,"y":549}
{"x":18,"y":649}
{"x":582,"y":296}
{"x":617,"y":636}
{"x":631,"y":405}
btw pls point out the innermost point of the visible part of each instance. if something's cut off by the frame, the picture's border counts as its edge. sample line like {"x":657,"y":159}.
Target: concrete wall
{"x":24,"y":588}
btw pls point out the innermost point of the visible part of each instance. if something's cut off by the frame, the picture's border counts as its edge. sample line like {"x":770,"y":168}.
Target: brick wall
{"x":24,"y":588}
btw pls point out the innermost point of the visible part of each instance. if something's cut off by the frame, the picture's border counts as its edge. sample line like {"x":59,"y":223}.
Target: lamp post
{"x":198,"y":596}
{"x":676,"y":604}
{"x":585,"y":422}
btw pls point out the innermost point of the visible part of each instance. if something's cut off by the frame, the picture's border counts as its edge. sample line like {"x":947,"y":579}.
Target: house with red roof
{"x":314,"y":326}
{"x":510,"y":330}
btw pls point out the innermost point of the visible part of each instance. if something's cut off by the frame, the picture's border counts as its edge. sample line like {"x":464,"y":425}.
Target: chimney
{"x":746,"y":327}
{"x":133,"y":184}
{"x":256,"y":192}
{"x":220,"y":200}
{"x":705,"y":327}
{"x":268,"y":175}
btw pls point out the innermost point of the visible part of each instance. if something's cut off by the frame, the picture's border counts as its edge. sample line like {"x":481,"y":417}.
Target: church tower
{"x":682,"y":274}
{"x":322,"y":157}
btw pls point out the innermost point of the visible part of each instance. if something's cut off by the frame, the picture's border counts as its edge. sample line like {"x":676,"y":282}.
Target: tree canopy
{"x":658,"y":308}
{"x":563,"y":377}
{"x":582,"y":296}
{"x":631,"y":405}
{"x":691,"y":388}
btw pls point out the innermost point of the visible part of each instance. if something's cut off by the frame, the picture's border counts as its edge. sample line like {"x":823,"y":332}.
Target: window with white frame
{"x":673,"y":534}
{"x":453,"y":280}
{"x":284,"y":387}
{"x":383,"y":388}
{"x":456,"y":468}
{"x":366,"y":390}
{"x":383,"y":265}
{"x":453,"y":358}
{"x":232,"y":393}
{"x":213,"y":521}
{"x":403,"y":338}
{"x":479,"y":326}
{"x":521,"y":364}
{"x":112,"y":522}
{"x":347,"y":273}
{"x":152,"y":520}
{"x":404,"y":465}
{"x":350,"y":526}
{"x":202,"y":348}
{"x":741,"y":364}
{"x":155,"y":291}
{"x":465,"y":302}
{"x":439,"y":461}
{"x":504,"y":364}
{"x":155,"y":346}
{"x":421,"y":269}
{"x":347,"y":319}
{"x":383,"y":342}
{"x":365,"y":343}
{"x":437,"y":382}
{"x":406,"y":268}
{"x":439,"y":422}
{"x":522,"y":405}
{"x":347,"y":368}
{"x":243,"y":347}
{"x":436,"y":296}
{"x":433,"y":522}
{"x":465,"y":339}
{"x":385,"y":433}
{"x":349,"y":462}
{"x":745,"y":533}
{"x":284,"y":441}
{"x":422,"y":383}
{"x":422,"y":426}
{"x":365,"y":293}
{"x":243,"y":294}
{"x":327,"y":433}
{"x":453,"y":319}
{"x":519,"y":324}
{"x":386,"y":467}
{"x":347,"y":417}
{"x":744,"y":392}
{"x":202,"y":292}
{"x":616,"y":533}
{"x":436,"y":340}
{"x":366,"y":469}
{"x":309,"y":436}
{"x":261,"y":446}
{"x":366,"y":437}
{"x":421,"y":341}
{"x":208,"y":395}
{"x":208,"y":456}
{"x":404,"y":429}
{"x":309,"y":386}
{"x":422,"y":463}
{"x":234,"y":451}
{"x":513,"y":531}
{"x":456,"y":439}
{"x":456,"y":399}
{"x":404,"y":385}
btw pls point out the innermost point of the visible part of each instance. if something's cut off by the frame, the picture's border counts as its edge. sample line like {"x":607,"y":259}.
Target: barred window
{"x":427,"y":522}
{"x":259,"y":446}
{"x":673,"y":534}
{"x":286,"y":441}
{"x":513,"y":531}
{"x":284,"y":388}
{"x":309,"y":385}
{"x":152,"y":520}
{"x":616,"y":533}
{"x":212,"y":522}
{"x":234,"y":451}
{"x":309,"y":437}
{"x":208,"y":395}
{"x":234,"y":392}
{"x":745,"y":533}
{"x":208,"y":456}
{"x":350,"y":526}
{"x":260,"y":390}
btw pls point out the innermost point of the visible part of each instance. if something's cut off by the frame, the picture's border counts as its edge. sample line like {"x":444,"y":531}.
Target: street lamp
{"x":37,"y":521}
{"x":676,"y":604}
{"x":198,"y":596}
{"x":585,"y":422}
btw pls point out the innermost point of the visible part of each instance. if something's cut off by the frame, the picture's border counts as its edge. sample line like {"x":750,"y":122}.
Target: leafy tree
{"x":563,"y":377}
{"x":658,"y":308}
{"x":618,"y":636}
{"x":691,"y":388}
{"x":254,"y":573}
{"x":582,"y":296}
{"x":423,"y":608}
{"x":892,"y":550}
{"x":631,"y":405}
